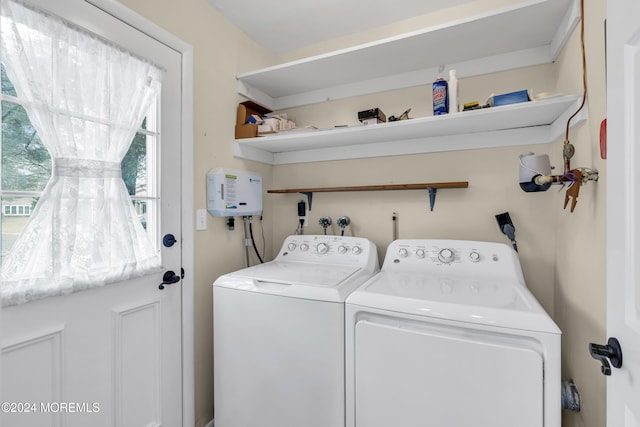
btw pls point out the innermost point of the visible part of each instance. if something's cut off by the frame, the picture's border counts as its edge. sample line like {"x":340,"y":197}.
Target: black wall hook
{"x":605,"y":353}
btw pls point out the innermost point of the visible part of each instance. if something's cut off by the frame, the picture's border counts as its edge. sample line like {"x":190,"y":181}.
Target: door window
{"x":26,"y":168}
{"x":79,"y":158}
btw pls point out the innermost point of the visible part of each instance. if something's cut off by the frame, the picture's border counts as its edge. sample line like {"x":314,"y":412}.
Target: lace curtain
{"x":86,"y":98}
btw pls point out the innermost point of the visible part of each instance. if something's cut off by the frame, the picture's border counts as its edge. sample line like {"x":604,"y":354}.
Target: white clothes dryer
{"x":447,"y":334}
{"x":279,"y":334}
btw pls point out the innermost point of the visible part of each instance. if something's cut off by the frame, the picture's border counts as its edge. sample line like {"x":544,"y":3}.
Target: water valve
{"x":325,"y":222}
{"x":343,"y":222}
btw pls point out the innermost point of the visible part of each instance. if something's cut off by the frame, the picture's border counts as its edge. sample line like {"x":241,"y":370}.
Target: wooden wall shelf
{"x":431,"y":187}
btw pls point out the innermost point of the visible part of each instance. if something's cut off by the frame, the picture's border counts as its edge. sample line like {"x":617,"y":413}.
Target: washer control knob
{"x":474,"y":256}
{"x":322,"y":248}
{"x":420,"y":253}
{"x":446,"y":255}
{"x":291,"y":246}
{"x":403,"y":252}
{"x":357,"y":250}
{"x":304,"y":247}
{"x":342,"y":249}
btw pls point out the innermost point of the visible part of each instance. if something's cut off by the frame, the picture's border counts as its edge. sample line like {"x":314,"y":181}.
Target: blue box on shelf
{"x":511,"y":98}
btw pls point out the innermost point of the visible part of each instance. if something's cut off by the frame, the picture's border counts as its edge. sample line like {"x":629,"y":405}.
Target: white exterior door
{"x":110,"y":356}
{"x":623,"y":208}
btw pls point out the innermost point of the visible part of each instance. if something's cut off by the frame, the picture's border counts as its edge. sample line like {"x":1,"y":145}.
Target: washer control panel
{"x":452,"y":257}
{"x":328,"y":249}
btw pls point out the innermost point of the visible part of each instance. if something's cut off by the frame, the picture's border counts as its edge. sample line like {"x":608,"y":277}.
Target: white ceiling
{"x":281,"y":26}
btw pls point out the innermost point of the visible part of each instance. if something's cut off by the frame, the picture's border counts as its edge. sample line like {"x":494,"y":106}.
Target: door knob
{"x":169,"y":278}
{"x":611,"y":352}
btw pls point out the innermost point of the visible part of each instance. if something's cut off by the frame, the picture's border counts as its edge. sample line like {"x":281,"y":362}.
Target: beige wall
{"x":580,"y":273}
{"x":562,"y":254}
{"x":459,"y":213}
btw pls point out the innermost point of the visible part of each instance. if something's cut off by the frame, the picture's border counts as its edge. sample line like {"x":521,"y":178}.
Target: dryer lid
{"x":492,"y":302}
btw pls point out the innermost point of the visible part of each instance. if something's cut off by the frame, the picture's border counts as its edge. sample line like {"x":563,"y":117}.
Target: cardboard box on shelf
{"x":245,"y":111}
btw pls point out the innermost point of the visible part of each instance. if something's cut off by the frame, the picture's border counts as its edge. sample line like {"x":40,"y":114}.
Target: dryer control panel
{"x":458,"y":257}
{"x":329,"y":250}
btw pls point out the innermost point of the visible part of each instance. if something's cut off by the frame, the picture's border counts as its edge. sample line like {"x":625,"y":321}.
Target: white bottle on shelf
{"x":454,"y":105}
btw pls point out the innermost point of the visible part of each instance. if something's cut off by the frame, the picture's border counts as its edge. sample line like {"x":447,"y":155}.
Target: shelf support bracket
{"x":309,"y":195}
{"x":432,"y":197}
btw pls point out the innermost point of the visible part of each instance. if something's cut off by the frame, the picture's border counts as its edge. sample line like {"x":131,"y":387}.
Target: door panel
{"x":42,"y":352}
{"x":137,"y":364}
{"x":623,"y":208}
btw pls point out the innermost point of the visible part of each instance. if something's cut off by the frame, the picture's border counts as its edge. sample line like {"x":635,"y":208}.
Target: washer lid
{"x":491,"y":302}
{"x":325,"y":282}
{"x":300,"y":273}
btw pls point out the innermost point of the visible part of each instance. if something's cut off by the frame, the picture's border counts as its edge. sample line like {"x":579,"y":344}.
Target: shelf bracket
{"x":432,"y":197}
{"x":309,"y":195}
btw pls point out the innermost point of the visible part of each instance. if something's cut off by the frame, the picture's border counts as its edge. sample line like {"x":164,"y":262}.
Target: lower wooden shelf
{"x":431,"y":187}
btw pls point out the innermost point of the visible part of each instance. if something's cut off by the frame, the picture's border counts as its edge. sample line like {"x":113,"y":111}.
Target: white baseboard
{"x":209,"y":424}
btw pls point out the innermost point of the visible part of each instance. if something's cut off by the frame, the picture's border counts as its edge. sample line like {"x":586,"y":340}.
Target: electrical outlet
{"x":302,"y":213}
{"x":201,"y":219}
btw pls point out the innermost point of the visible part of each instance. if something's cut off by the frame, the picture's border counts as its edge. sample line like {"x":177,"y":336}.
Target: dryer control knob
{"x":403,"y":252}
{"x":342,"y":249}
{"x":322,"y":248}
{"x":446,"y":255}
{"x":420,"y":253}
{"x":357,"y":250}
{"x":304,"y":247}
{"x":291,"y":246}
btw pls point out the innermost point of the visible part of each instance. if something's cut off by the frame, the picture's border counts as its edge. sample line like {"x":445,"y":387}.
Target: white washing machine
{"x":447,"y":334}
{"x":279,"y":334}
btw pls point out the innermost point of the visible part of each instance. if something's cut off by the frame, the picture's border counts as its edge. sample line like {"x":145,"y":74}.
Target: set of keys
{"x":577,"y":177}
{"x":574,"y":189}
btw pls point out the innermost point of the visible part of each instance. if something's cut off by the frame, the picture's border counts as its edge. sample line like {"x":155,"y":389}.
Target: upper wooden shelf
{"x":527,"y":33}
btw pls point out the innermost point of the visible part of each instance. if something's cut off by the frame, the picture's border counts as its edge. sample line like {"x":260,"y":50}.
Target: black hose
{"x":255,"y":248}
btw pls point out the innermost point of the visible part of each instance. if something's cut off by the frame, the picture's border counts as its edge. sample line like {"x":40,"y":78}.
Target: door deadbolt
{"x":168,"y":240}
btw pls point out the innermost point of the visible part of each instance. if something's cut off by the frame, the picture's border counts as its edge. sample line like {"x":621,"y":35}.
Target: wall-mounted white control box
{"x":234,"y":192}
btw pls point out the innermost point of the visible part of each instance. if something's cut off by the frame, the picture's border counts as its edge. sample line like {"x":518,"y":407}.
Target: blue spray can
{"x":440,"y":97}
